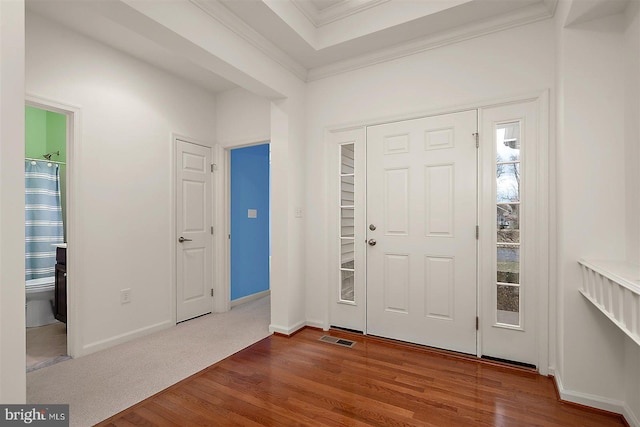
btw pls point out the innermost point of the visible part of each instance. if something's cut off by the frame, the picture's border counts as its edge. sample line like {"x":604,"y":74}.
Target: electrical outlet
{"x":298,"y":212}
{"x":125,"y":296}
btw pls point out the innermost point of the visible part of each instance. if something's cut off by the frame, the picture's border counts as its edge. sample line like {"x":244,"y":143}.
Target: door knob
{"x":182,"y":239}
{"x":372,"y":242}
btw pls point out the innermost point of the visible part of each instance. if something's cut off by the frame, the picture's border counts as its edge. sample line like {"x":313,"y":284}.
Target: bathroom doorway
{"x":47,"y":134}
{"x":250,"y":238}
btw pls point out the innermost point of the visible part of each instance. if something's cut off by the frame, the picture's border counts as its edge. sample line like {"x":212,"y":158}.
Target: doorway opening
{"x":46,"y":227}
{"x":250,"y":223}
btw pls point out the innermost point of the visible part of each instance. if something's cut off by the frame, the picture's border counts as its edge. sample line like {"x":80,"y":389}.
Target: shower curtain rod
{"x":44,"y":160}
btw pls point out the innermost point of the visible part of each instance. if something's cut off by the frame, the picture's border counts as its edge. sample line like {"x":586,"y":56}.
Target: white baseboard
{"x":287,"y":331}
{"x":598,"y":402}
{"x":631,"y":418}
{"x":119,"y":339}
{"x":250,"y":298}
{"x":317,"y":324}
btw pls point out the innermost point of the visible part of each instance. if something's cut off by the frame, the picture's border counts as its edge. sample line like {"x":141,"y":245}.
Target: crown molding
{"x":335,"y":12}
{"x":531,"y":14}
{"x":216,"y":10}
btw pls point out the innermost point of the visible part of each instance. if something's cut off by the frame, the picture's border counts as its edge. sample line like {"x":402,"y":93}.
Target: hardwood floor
{"x":301,"y":381}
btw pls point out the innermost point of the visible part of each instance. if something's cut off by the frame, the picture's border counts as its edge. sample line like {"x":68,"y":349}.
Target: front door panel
{"x":422,"y":200}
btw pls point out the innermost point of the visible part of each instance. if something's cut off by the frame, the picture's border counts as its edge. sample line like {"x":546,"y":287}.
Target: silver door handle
{"x":372,"y":242}
{"x":182,"y":239}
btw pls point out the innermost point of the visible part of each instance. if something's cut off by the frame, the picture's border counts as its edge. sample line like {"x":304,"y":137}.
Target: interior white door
{"x":194,"y":261}
{"x":422,"y":215}
{"x":509,"y":243}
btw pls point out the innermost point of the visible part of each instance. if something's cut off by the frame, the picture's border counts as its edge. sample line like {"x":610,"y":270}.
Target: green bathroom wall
{"x":46,"y":132}
{"x":57,"y":135}
{"x":35,"y":132}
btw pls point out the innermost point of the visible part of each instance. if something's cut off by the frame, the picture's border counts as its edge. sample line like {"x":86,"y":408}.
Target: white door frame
{"x":545,"y":210}
{"x":74,"y":251}
{"x":217,"y":266}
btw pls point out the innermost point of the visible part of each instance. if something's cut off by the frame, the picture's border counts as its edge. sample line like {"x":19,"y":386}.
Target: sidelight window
{"x":347,"y":225}
{"x":508,"y":218}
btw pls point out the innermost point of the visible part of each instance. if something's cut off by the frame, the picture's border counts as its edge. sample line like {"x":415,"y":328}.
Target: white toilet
{"x":40,"y":295}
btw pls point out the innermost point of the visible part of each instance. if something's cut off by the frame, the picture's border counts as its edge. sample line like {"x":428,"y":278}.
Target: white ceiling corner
{"x":587,"y":10}
{"x":323,"y":12}
{"x":217,"y":10}
{"x":323,"y":4}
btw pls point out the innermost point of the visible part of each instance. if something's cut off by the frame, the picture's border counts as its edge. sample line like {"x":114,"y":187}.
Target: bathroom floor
{"x":46,"y":345}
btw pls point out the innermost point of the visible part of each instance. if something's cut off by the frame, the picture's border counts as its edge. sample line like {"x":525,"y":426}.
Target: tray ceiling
{"x":311,"y":38}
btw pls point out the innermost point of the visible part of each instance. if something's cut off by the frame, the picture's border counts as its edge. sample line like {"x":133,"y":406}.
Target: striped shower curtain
{"x":43,"y":218}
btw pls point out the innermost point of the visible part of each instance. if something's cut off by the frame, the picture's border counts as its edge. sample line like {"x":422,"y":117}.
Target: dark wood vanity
{"x":60,"y":297}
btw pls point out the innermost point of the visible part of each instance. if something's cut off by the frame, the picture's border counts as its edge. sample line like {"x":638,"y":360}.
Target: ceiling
{"x":311,"y":38}
{"x":349,"y":29}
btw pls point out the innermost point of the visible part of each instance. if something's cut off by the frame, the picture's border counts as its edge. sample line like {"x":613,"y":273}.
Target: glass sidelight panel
{"x":508,"y":222}
{"x":347,"y":223}
{"x":346,"y":159}
{"x":508,"y":237}
{"x":508,"y":305}
{"x":347,"y":254}
{"x":346,"y":288}
{"x":347,"y":190}
{"x":508,"y":264}
{"x":508,"y":182}
{"x":508,"y":142}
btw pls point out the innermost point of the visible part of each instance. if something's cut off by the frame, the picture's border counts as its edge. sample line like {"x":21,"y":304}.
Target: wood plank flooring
{"x":300,"y":381}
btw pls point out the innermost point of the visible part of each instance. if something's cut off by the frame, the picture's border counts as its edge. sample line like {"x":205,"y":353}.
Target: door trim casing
{"x":545,"y":210}
{"x":74,"y":120}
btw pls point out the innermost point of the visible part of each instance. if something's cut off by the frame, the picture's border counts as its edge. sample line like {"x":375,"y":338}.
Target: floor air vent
{"x":338,"y":341}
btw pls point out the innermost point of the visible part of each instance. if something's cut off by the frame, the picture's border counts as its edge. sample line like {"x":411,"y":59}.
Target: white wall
{"x":12,"y":296}
{"x":129,"y":110}
{"x":632,"y":130}
{"x":183,"y":26}
{"x":242,"y":118}
{"x":506,"y":64}
{"x":598,"y":128}
{"x":631,"y":367}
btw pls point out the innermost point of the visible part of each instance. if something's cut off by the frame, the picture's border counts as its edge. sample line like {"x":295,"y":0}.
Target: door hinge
{"x":212,"y":230}
{"x":477,"y":322}
{"x":477,"y":232}
{"x":211,"y":291}
{"x":214,"y":167}
{"x":477,"y":135}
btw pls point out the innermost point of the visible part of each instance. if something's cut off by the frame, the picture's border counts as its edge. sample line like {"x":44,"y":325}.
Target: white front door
{"x":194,"y":263}
{"x":422,"y":214}
{"x":510,"y":262}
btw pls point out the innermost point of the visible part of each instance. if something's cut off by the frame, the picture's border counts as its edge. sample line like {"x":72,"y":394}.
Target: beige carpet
{"x":104,"y":383}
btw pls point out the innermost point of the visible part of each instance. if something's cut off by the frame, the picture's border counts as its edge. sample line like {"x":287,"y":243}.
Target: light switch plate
{"x":252,"y":213}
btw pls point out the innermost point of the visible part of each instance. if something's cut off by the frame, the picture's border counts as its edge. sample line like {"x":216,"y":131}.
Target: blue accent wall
{"x":250,"y":244}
